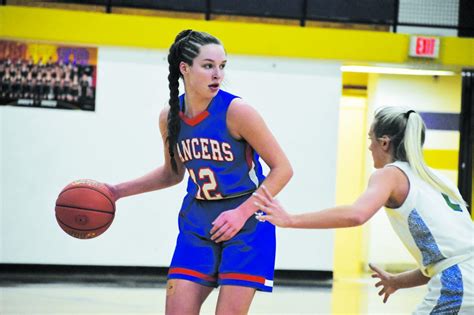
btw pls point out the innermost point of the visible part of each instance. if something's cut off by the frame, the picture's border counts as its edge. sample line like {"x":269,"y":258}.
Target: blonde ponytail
{"x":413,"y":133}
{"x":406,"y":131}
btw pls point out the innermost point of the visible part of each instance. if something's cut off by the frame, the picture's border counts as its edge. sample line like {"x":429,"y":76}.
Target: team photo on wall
{"x":45,"y":75}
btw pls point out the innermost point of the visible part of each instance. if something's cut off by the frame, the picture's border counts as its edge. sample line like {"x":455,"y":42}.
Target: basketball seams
{"x":88,"y":209}
{"x":85,"y":209}
{"x":91,"y":188}
{"x":82,"y":230}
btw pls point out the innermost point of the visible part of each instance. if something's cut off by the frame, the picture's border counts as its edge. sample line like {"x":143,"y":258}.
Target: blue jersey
{"x":219,"y":166}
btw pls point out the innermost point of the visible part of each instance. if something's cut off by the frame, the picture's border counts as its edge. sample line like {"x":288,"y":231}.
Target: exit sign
{"x":424,"y":46}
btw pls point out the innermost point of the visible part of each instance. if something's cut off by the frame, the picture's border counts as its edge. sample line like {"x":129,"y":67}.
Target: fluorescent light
{"x":392,"y":70}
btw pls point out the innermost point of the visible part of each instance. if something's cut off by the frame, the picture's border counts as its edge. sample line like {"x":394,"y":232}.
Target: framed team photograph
{"x":47,"y":75}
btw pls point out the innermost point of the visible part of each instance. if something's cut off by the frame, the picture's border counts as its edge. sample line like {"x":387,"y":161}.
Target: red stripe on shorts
{"x":193,"y":273}
{"x":240,"y":276}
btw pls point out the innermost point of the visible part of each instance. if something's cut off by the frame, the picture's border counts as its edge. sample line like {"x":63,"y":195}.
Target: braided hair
{"x":185,"y":48}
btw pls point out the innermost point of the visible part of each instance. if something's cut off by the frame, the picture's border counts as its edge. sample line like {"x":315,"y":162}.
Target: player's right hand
{"x":113,"y":191}
{"x":227,"y":225}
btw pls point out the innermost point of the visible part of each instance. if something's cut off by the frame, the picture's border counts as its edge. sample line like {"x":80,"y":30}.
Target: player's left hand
{"x":227,"y":224}
{"x":387,"y":282}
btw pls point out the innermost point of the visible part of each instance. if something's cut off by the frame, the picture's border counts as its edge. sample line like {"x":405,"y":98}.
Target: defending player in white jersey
{"x":426,"y":211}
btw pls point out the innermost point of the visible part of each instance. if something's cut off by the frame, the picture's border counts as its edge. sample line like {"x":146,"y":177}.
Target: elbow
{"x":356,"y":219}
{"x":356,"y":214}
{"x":177,"y":178}
{"x":282,"y":171}
{"x":174,"y":178}
{"x":288,"y":174}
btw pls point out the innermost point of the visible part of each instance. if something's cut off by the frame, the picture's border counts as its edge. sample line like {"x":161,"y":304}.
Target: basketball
{"x":85,"y":209}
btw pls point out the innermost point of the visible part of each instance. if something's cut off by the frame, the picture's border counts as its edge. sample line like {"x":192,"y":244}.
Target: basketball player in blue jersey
{"x":215,"y":137}
{"x":425,"y":209}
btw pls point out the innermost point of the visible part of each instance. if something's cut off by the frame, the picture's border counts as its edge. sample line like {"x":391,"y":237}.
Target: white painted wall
{"x":424,"y":94}
{"x":43,"y":150}
{"x":300,"y":102}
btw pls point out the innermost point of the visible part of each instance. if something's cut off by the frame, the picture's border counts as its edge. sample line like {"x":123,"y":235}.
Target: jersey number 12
{"x":205,"y":191}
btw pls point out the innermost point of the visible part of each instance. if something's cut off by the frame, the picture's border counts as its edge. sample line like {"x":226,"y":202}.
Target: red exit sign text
{"x":423,"y":46}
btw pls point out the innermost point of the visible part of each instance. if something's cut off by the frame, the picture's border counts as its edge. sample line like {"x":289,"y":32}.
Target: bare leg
{"x":185,"y":297}
{"x":234,"y":300}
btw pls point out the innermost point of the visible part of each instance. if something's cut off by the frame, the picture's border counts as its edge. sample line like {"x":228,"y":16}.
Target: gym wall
{"x":64,"y":153}
{"x":43,"y":150}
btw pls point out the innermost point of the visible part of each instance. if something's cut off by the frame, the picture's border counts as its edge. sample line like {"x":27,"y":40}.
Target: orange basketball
{"x":85,"y":208}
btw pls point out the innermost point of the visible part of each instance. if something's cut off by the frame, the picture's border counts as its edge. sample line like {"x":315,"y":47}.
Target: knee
{"x":181,"y":307}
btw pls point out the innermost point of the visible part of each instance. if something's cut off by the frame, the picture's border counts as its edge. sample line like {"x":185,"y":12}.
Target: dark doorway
{"x":466,"y":128}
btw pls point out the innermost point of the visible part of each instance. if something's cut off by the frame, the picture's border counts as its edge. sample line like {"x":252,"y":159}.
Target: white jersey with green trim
{"x":438,"y":232}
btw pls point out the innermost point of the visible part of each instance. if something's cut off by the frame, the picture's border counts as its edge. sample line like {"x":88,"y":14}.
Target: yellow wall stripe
{"x":442,"y":159}
{"x":457,"y":50}
{"x":95,"y":28}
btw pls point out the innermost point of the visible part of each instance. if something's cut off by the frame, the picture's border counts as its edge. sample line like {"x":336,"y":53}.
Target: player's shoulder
{"x":390,"y":174}
{"x":240,"y":108}
{"x":163,"y":119}
{"x":389,"y":170}
{"x":164,"y":114}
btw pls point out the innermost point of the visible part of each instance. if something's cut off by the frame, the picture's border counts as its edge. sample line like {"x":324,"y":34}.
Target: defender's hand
{"x":274,"y":211}
{"x":387,"y":281}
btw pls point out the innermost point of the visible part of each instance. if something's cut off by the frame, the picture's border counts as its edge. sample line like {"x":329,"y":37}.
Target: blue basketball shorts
{"x":247,"y":259}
